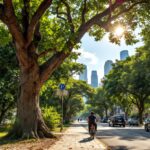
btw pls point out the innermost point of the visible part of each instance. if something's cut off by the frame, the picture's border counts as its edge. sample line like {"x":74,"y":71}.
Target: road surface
{"x":120,"y":138}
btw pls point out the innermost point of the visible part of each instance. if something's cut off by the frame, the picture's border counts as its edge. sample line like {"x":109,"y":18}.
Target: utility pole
{"x":61,"y":92}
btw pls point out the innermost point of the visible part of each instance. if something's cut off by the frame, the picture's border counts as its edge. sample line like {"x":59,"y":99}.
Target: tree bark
{"x":2,"y":115}
{"x":141,"y":110}
{"x":141,"y":117}
{"x":106,"y":112}
{"x":29,"y":121}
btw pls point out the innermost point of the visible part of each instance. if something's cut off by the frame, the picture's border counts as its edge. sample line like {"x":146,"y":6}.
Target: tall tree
{"x":77,"y":91}
{"x":101,"y":102}
{"x":62,"y":24}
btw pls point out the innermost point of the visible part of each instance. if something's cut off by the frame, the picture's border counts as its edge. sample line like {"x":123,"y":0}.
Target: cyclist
{"x":92,"y":120}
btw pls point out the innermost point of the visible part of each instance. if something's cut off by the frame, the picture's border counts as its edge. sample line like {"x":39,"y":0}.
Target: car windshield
{"x":147,"y":119}
{"x":119,"y":117}
{"x":134,"y":119}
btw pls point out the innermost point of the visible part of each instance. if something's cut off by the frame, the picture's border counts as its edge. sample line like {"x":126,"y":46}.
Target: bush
{"x":51,"y":117}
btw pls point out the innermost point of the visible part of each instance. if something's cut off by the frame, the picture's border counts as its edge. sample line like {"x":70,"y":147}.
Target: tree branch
{"x":137,"y":103}
{"x":11,"y":21}
{"x":60,"y":13}
{"x":69,"y":15}
{"x":44,"y":53}
{"x":84,"y":12}
{"x":35,"y":19}
{"x":48,"y":67}
{"x":94,"y":20}
{"x":105,"y":25}
{"x":132,"y":100}
{"x":97,"y":19}
{"x":124,"y":11}
{"x":25,"y":14}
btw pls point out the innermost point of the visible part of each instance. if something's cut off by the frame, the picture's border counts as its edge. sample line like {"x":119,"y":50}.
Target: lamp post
{"x":62,"y":118}
{"x":61,"y":92}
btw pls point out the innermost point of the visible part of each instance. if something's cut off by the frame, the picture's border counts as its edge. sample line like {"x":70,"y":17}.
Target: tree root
{"x":41,"y":132}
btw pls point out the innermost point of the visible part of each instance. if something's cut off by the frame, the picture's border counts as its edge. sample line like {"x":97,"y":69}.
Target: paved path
{"x":77,"y":138}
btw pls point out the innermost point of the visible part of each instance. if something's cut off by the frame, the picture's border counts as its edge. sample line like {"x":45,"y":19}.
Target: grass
{"x":31,"y":142}
{"x":2,"y":134}
{"x":65,"y":126}
{"x":4,"y":130}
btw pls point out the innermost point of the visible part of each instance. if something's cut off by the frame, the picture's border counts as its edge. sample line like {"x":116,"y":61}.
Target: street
{"x":120,"y":138}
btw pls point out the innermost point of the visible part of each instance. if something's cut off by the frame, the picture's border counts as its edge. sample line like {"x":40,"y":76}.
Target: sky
{"x":95,"y":53}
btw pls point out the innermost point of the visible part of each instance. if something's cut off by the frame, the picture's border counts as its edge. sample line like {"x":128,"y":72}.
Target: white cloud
{"x":87,"y":57}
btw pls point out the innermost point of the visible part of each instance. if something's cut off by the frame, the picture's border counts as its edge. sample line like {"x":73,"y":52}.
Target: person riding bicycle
{"x":92,"y":120}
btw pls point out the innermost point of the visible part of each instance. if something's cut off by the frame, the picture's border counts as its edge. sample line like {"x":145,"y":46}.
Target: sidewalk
{"x":77,"y":138}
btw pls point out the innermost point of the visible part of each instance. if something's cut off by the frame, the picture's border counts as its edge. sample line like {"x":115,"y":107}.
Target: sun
{"x":119,"y":31}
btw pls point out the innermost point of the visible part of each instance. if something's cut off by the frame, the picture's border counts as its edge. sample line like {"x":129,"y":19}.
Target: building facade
{"x":124,"y":54}
{"x":94,"y":79}
{"x":83,"y":75}
{"x":107,"y":66}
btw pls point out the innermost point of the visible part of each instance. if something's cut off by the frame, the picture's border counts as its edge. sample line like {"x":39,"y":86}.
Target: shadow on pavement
{"x":86,"y":140}
{"x":118,"y":148}
{"x":125,"y":134}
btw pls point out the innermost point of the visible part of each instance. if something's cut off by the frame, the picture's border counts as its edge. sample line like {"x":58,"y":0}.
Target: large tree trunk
{"x":30,"y":123}
{"x":106,"y":112}
{"x":141,"y":110}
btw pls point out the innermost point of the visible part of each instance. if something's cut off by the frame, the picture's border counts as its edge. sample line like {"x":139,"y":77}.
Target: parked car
{"x":117,"y":120}
{"x":133,"y":121}
{"x":147,"y":124}
{"x":104,"y":120}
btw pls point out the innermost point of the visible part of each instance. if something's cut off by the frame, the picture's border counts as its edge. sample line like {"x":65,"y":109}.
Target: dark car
{"x":133,"y":121}
{"x":117,"y":120}
{"x":147,"y":125}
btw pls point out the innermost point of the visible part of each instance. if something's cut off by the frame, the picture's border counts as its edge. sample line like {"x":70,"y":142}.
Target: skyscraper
{"x":124,"y":54}
{"x":107,"y":66}
{"x":94,"y":79}
{"x":83,"y":75}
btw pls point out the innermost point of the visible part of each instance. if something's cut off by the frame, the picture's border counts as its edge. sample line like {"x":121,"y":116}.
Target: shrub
{"x":51,"y":117}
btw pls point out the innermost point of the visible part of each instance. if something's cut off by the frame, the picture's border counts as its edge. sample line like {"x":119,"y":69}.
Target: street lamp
{"x":61,"y":92}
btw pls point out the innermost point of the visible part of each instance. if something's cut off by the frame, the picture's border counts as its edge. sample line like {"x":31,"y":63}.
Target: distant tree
{"x":101,"y":102}
{"x":77,"y":89}
{"x":131,"y":78}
